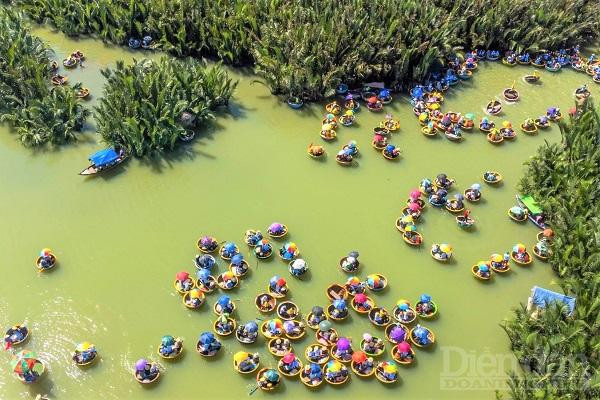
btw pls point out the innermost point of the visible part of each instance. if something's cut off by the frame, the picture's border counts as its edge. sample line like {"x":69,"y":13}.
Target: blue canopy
{"x":104,"y":157}
{"x":541,"y":297}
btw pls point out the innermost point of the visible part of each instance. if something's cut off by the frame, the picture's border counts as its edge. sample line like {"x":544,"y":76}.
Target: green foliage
{"x":39,"y":114}
{"x":146,"y":107}
{"x":306,"y":47}
{"x":560,"y":354}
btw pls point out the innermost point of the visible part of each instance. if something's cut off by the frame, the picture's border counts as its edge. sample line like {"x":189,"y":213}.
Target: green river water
{"x":121,"y":237}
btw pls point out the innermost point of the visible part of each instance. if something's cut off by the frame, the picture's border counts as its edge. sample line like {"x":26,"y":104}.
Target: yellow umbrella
{"x":423,"y":117}
{"x":497,"y":258}
{"x":391,"y":368}
{"x":326,"y":127}
{"x":446,"y":248}
{"x":240,"y":356}
{"x":434,"y":106}
{"x":506,"y":124}
{"x":350,"y":113}
{"x":195,"y":293}
{"x":83,"y":346}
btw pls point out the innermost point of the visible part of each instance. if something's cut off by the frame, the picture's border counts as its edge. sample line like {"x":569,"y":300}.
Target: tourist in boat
{"x":333,"y":108}
{"x":354,"y":285}
{"x":289,"y":364}
{"x":362,"y":303}
{"x":336,"y":372}
{"x":553,"y":113}
{"x":239,"y":266}
{"x":208,"y":345}
{"x":507,"y":130}
{"x":316,"y":353}
{"x":246,"y":362}
{"x":457,"y":203}
{"x":420,"y":108}
{"x":483,"y":271}
{"x":194,"y":298}
{"x":293,"y":329}
{"x":405,"y":352}
{"x":441,"y":251}
{"x":379,"y":316}
{"x":205,"y":261}
{"x":350,"y":103}
{"x":406,"y":220}
{"x":277,"y":229}
{"x":84,"y":353}
{"x":375,"y":282}
{"x":208,"y":244}
{"x":316,"y":315}
{"x":170,"y":346}
{"x":268,"y":380}
{"x":470,"y":63}
{"x":265,"y":302}
{"x":289,"y":251}
{"x":351,"y":147}
{"x":343,"y":350}
{"x":371,"y":344}
{"x":264,"y":250}
{"x":425,"y":306}
{"x":228,"y":279}
{"x":582,"y":91}
{"x":278,"y":285}
{"x":339,"y":309}
{"x":529,"y":124}
{"x":379,"y":141}
{"x":46,"y":259}
{"x":183,"y":282}
{"x":348,"y":118}
{"x":146,"y":371}
{"x":520,"y":254}
{"x":497,"y":263}
{"x":438,"y":199}
{"x":474,"y":192}
{"x":517,"y":213}
{"x":362,"y":364}
{"x":421,"y":335}
{"x":330,"y":119}
{"x":397,"y":334}
{"x":298,"y":267}
{"x":205,"y":280}
{"x":490,"y":176}
{"x":279,"y":346}
{"x":426,"y":186}
{"x":315,"y":151}
{"x":524,"y":58}
{"x":312,"y":375}
{"x":403,"y":312}
{"x":287,"y":310}
{"x":248,"y":333}
{"x":486,"y":125}
{"x":229,"y":250}
{"x":374,"y":104}
{"x":541,"y":249}
{"x":224,"y":325}
{"x":350,"y":263}
{"x":442,"y":181}
{"x":224,"y":305}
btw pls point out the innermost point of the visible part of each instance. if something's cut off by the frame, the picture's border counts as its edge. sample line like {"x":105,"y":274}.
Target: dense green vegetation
{"x":307,"y":47}
{"x":40,"y":114}
{"x":559,"y":353}
{"x":146,"y":107}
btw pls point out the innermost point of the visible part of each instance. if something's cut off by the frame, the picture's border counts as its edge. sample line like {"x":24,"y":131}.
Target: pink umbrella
{"x":415,"y":194}
{"x":360,"y":298}
{"x":288,"y":358}
{"x":377,"y":138}
{"x":413,"y":207}
{"x":182,"y":276}
{"x":404,"y":347}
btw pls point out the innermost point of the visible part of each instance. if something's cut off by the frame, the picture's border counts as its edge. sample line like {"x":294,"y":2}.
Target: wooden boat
{"x":344,"y":162}
{"x":403,"y":361}
{"x":309,"y":317}
{"x":84,"y":363}
{"x":421,"y":314}
{"x":288,"y":316}
{"x":510,"y":94}
{"x":491,"y":125}
{"x":323,"y":340}
{"x":498,"y":178}
{"x":494,"y":107}
{"x":538,"y":65}
{"x":515,"y":218}
{"x":207,"y":250}
{"x":53,"y":66}
{"x":438,"y":257}
{"x":82,"y":93}
{"x":508,"y":133}
{"x":451,"y":205}
{"x":299,"y":335}
{"x":328,"y":135}
{"x":146,"y":381}
{"x":279,"y":235}
{"x":538,"y":254}
{"x":40,"y":268}
{"x":494,"y":140}
{"x":369,"y":302}
{"x":207,"y":288}
{"x":471,"y":198}
{"x":390,"y":124}
{"x":538,"y":123}
{"x":59,"y":80}
{"x":332,"y":122}
{"x":415,"y":214}
{"x":379,"y":374}
{"x":332,"y":353}
{"x":393,"y":156}
{"x":295,"y":102}
{"x":204,"y":353}
{"x":173,"y":355}
{"x":221,"y":282}
{"x":375,"y":107}
{"x":382,"y":279}
{"x":379,"y":145}
{"x":532,"y":78}
{"x":272,"y":303}
{"x":427,"y":131}
{"x":268,"y":334}
{"x":464,"y":222}
{"x":499,"y":270}
{"x":186,"y":298}
{"x":475,"y":271}
{"x":431,"y":337}
{"x":354,"y":369}
{"x":465,"y":75}
{"x":333,"y":108}
{"x":406,"y":321}
{"x":78,"y":55}
{"x":237,"y":368}
{"x":386,"y":320}
{"x":267,"y":386}
{"x":108,"y":159}
{"x":70,"y":62}
{"x":240,"y":270}
{"x":388,"y":330}
{"x":311,"y":151}
{"x":451,"y":136}
{"x":553,"y":68}
{"x":329,"y":312}
{"x":285,"y":346}
{"x":596,"y":78}
{"x":527,"y":262}
{"x":413,"y":241}
{"x":336,"y":291}
{"x":506,"y":62}
{"x":344,"y":380}
{"x":19,"y":327}
{"x":239,"y":335}
{"x":324,"y":350}
{"x":305,"y":378}
{"x":530,"y":130}
{"x":225,"y":333}
{"x":377,"y":353}
{"x":556,"y":118}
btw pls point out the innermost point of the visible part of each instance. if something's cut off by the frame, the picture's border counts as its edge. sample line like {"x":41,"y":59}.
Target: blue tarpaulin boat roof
{"x":541,"y":297}
{"x":104,"y":157}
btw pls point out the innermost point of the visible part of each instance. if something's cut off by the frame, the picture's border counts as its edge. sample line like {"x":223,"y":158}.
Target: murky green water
{"x":121,"y":237}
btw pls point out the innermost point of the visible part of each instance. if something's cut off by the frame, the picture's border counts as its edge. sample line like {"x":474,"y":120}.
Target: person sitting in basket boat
{"x":470,"y":63}
{"x":344,"y":155}
{"x":290,"y":364}
{"x":317,"y":315}
{"x":413,"y":236}
{"x":529,"y":124}
{"x":553,"y":112}
{"x":380,"y":316}
{"x":47,"y":259}
{"x":229,"y":250}
{"x":438,"y":198}
{"x":336,"y":372}
{"x":379,"y":140}
{"x":437,"y":250}
{"x":249,"y":363}
{"x":229,"y":279}
{"x":362,"y":303}
{"x":298,"y":267}
{"x":354,"y":285}
{"x":372,"y":345}
{"x":248,"y":331}
{"x":541,"y":248}
{"x":278,"y":285}
{"x":391,"y":151}
{"x":458,"y":203}
{"x":350,"y":262}
{"x":474,"y":192}
{"x":497,"y":262}
{"x":362,"y":363}
{"x":486,"y":124}
{"x":254,"y":237}
{"x":238,"y":265}
{"x":264,"y":249}
{"x":224,"y":324}
{"x":206,"y":280}
{"x":204,"y":261}
{"x":343,"y":349}
{"x":281,"y":345}
{"x":340,"y":310}
{"x":208,"y":344}
{"x":287,"y":310}
{"x":517,"y":212}
{"x":483,"y":271}
{"x":425,"y":305}
{"x":209,"y":244}
{"x":426,"y":186}
{"x":405,"y":351}
{"x":146,"y":371}
{"x":84,"y":353}
{"x":268,"y":379}
{"x":170,"y":345}
{"x":315,"y":373}
{"x":316,"y":353}
{"x":421,"y":335}
{"x":292,"y":328}
{"x":490,"y":176}
{"x":224,"y":305}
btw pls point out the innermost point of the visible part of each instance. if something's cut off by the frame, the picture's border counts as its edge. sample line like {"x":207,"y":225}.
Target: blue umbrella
{"x":273,"y":280}
{"x":237,"y":259}
{"x":207,"y":337}
{"x":203,"y":274}
{"x":229,"y":247}
{"x":224,"y":300}
{"x":340,"y":304}
{"x":421,"y":333}
{"x":389,"y":148}
{"x":271,"y":375}
{"x":251,"y":327}
{"x":425,"y":298}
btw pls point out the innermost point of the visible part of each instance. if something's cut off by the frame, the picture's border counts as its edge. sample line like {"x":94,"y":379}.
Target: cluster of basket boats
{"x":75,"y":59}
{"x":331,"y":356}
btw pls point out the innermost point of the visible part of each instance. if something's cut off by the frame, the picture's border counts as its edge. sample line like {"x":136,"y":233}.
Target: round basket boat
{"x":221,"y":282}
{"x":494,"y":107}
{"x":186,"y":297}
{"x":267,"y":308}
{"x":289,"y":374}
{"x":180,"y":288}
{"x":346,"y":269}
{"x":210,"y":287}
{"x":540,"y":125}
{"x":531,"y":78}
{"x":324,"y":353}
{"x":222,"y":332}
{"x":305,"y":378}
{"x":268,"y":334}
{"x":369,"y":302}
{"x":59,"y":80}
{"x":311,"y":154}
{"x":329,"y":312}
{"x":146,"y":381}
{"x":506,"y":62}
{"x":204,"y":353}
{"x":377,"y":353}
{"x":400,"y":360}
{"x":529,"y":130}
{"x":451,"y":205}
{"x":240,"y":270}
{"x":382,"y":279}
{"x":494,"y":140}
{"x":487,"y":129}
{"x":390,"y":157}
{"x":498,"y":178}
{"x":333,"y":108}
{"x":431,"y":338}
{"x":277,"y":295}
{"x":343,"y":161}
{"x":398,"y":317}
{"x":379,"y":374}
{"x":508,"y":133}
{"x":288,"y":316}
{"x":171,"y":356}
{"x":208,"y":250}
{"x":53,"y":262}
{"x":511,"y":95}
{"x":89,"y":361}
{"x":323,"y":340}
{"x":538,"y":254}
{"x":333,"y":350}
{"x":244,"y":339}
{"x":516,"y":218}
{"x":386,"y":320}
{"x":335,"y":291}
{"x":499,"y":270}
{"x":413,"y":241}
{"x":82,"y":93}
{"x":465,"y":222}
{"x":344,"y":380}
{"x":309,"y":317}
{"x":475,"y":272}
{"x":328,"y":135}
{"x":302,"y":331}
{"x":268,"y":386}
{"x":427,"y":131}
{"x":278,"y":235}
{"x":237,"y":368}
{"x":390,"y":327}
{"x":354,"y":369}
{"x":526,"y":262}
{"x":279,"y":346}
{"x":429,"y":315}
{"x":438,"y":257}
{"x":225,"y":256}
